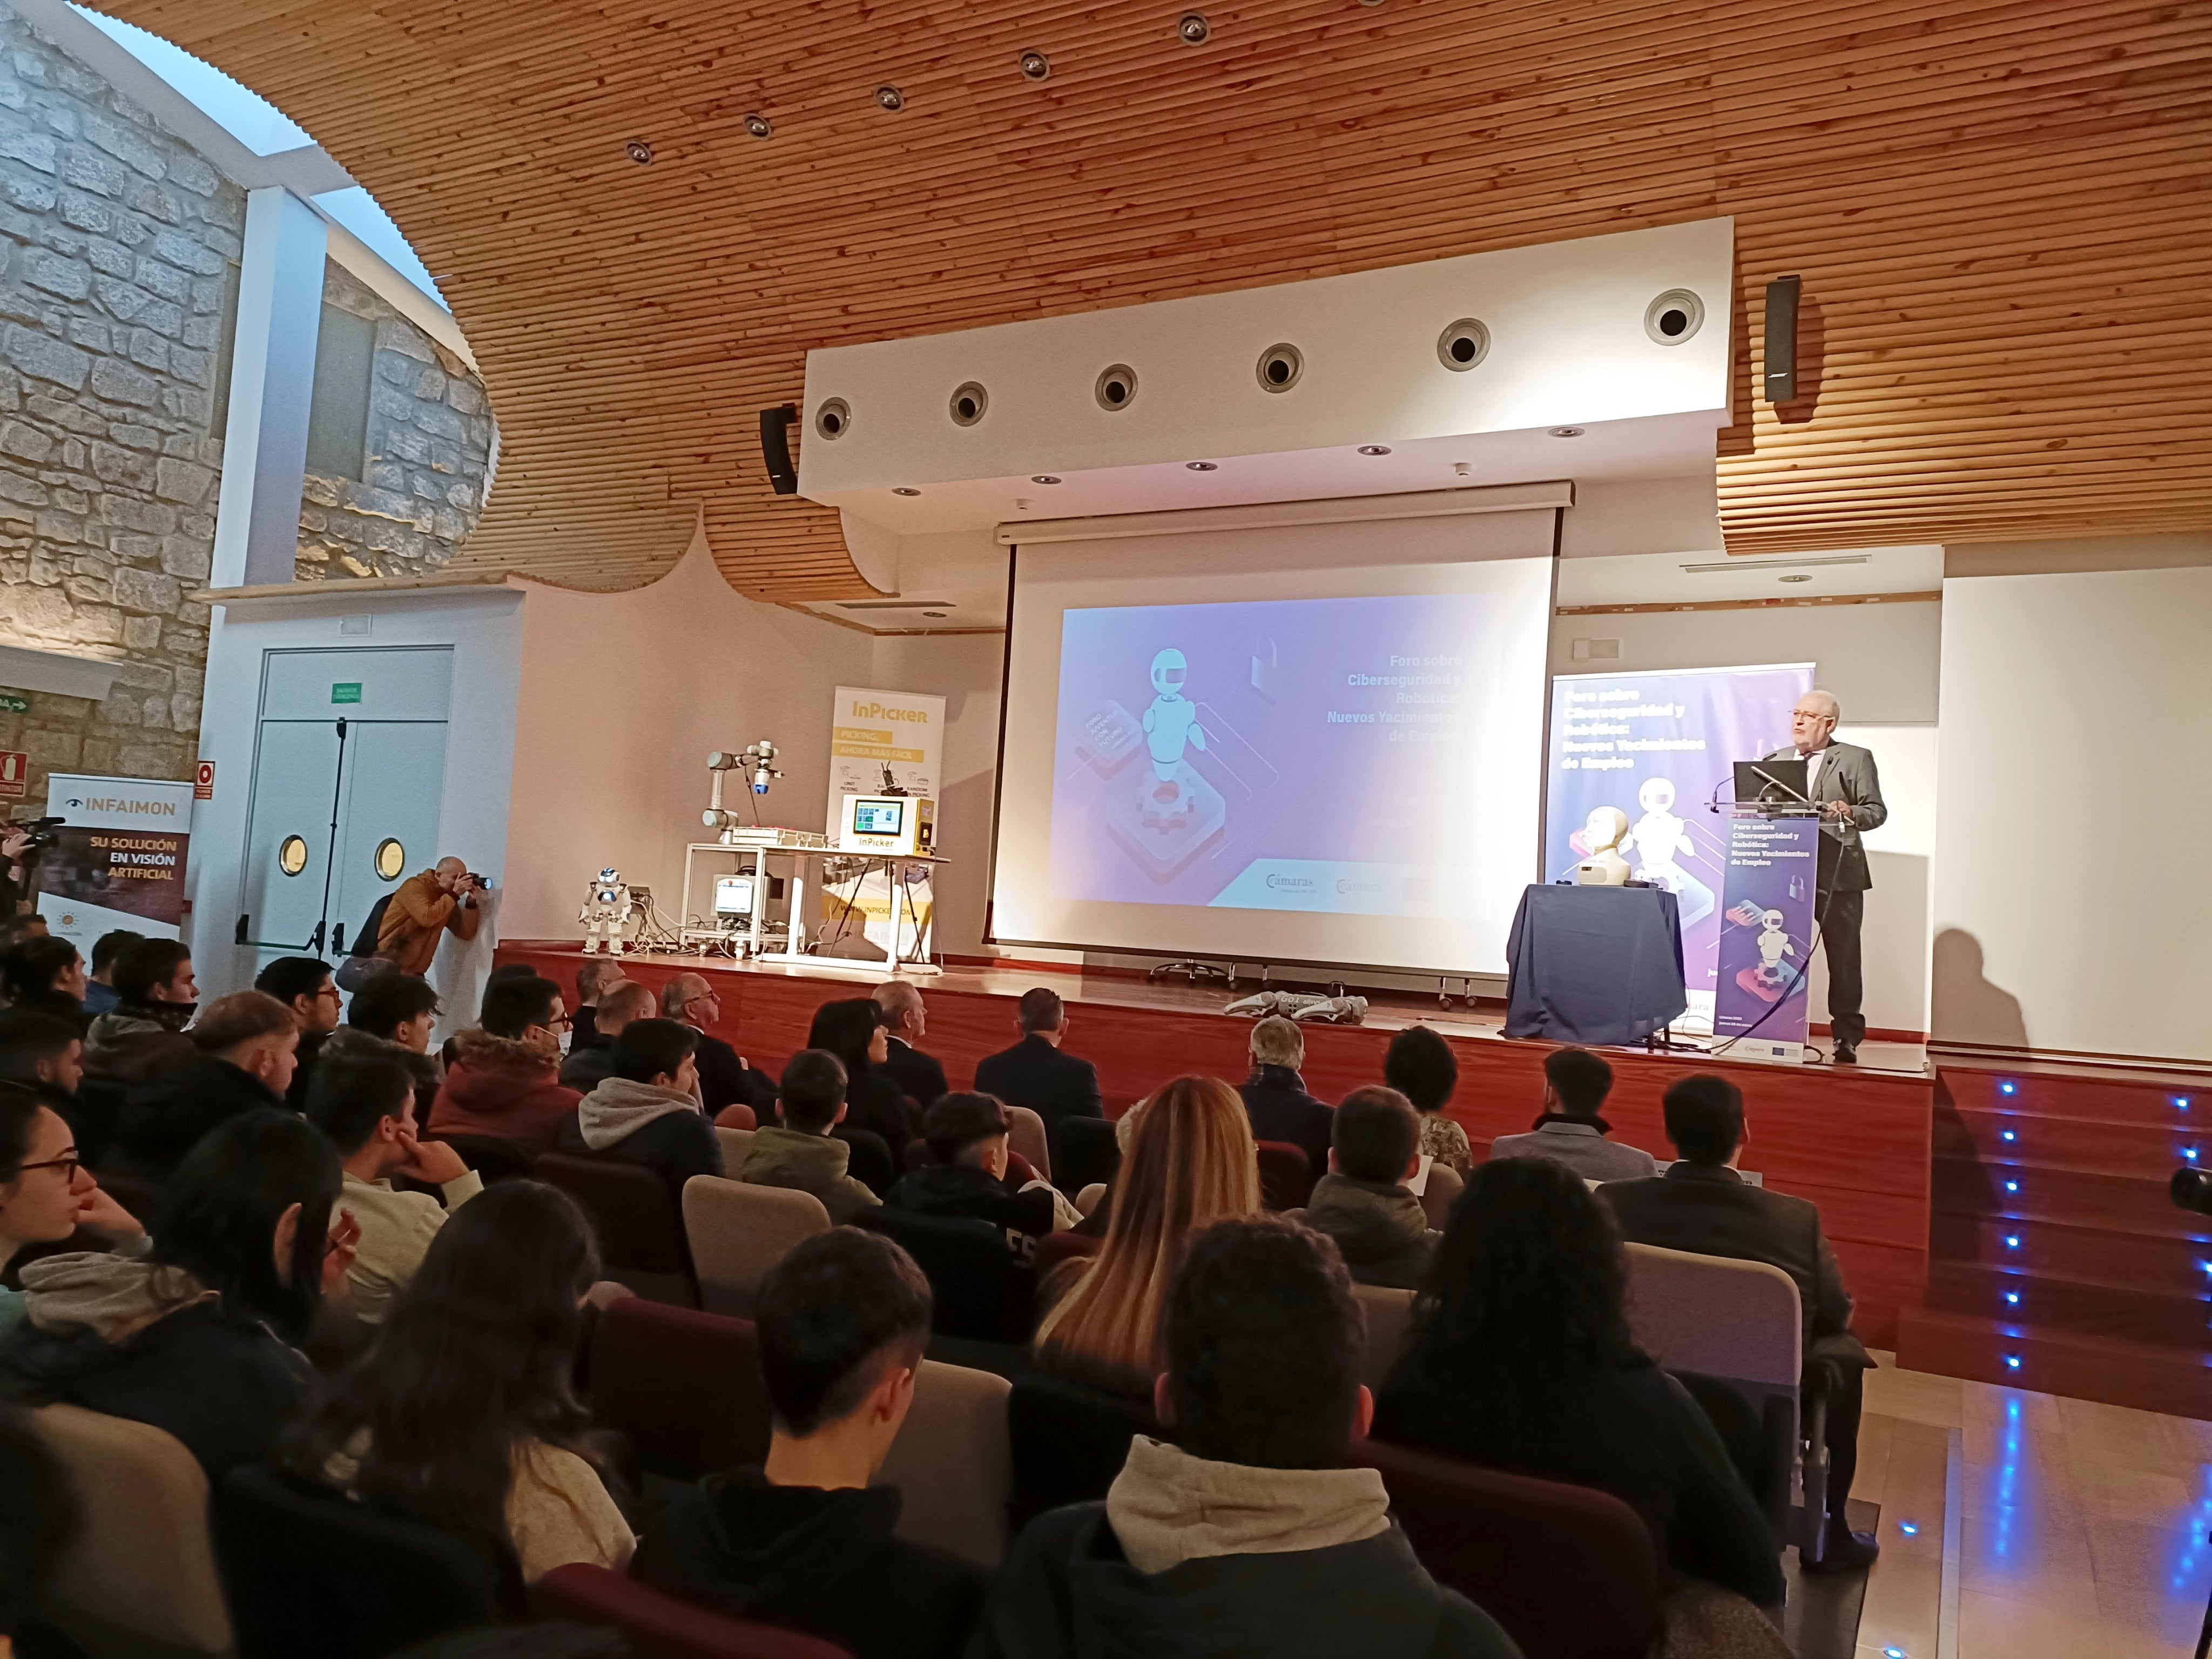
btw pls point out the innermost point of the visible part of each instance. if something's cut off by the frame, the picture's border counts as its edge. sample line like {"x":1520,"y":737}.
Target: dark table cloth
{"x":1593,"y":965}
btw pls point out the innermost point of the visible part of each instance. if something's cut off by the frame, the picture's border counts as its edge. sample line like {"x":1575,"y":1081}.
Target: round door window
{"x":292,"y":855}
{"x":390,"y":859}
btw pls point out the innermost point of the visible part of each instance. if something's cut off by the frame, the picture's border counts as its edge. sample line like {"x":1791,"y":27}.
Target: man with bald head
{"x":1841,"y":778}
{"x":726,"y":1077}
{"x":424,"y":907}
{"x":920,"y":1076}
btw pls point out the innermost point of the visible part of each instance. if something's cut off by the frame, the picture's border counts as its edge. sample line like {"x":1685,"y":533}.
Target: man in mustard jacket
{"x":422,"y":908}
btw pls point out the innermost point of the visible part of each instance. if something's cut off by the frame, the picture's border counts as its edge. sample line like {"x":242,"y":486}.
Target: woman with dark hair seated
{"x":46,"y":1194}
{"x":854,"y":1031}
{"x":199,"y":1337}
{"x":1519,"y":1358}
{"x":462,"y":1414}
{"x":1418,"y":1065}
{"x":47,"y":976}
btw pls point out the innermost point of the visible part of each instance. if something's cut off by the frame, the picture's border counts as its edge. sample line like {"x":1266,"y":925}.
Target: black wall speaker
{"x":775,"y":447}
{"x":1781,"y":339}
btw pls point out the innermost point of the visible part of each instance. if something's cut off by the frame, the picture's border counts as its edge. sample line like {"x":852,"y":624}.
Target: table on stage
{"x":1593,"y":965}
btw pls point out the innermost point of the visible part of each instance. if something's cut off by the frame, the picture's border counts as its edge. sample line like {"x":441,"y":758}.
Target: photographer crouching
{"x":440,"y":900}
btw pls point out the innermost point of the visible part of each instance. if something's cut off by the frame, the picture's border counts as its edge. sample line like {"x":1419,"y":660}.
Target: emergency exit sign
{"x":13,"y":702}
{"x":346,"y":691}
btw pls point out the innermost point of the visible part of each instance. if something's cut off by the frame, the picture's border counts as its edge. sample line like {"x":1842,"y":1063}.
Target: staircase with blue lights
{"x":2056,"y":1261}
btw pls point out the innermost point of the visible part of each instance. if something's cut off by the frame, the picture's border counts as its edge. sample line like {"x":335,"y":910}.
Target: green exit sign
{"x":346,"y":691}
{"x":13,"y":702}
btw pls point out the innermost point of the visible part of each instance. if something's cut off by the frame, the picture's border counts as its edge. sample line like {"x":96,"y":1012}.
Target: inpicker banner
{"x":117,"y":859}
{"x":1662,"y":747}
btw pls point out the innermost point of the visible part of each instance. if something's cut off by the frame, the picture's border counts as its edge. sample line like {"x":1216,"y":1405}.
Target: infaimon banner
{"x":117,"y":859}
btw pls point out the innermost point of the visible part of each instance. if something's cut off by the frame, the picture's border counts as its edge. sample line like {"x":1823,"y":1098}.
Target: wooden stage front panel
{"x":1856,"y":1142}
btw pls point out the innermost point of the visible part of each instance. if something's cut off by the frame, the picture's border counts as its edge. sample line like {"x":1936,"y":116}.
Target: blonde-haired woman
{"x":1189,"y":1162}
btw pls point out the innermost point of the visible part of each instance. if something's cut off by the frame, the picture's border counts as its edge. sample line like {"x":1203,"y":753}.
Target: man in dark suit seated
{"x":1702,"y":1206}
{"x":919,"y":1076}
{"x":1275,"y":1096}
{"x":1035,"y":1074}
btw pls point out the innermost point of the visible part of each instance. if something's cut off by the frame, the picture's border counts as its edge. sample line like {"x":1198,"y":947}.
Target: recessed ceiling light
{"x":891,"y":98}
{"x":1800,"y":578}
{"x":1374,"y":449}
{"x":759,"y":125}
{"x":1201,"y":467}
{"x":639,"y":151}
{"x":902,"y":490}
{"x":1035,"y":66}
{"x":1194,"y":28}
{"x":1566,"y":432}
{"x":1044,"y":479}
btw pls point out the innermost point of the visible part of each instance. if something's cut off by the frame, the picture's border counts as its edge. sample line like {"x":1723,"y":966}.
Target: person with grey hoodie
{"x":1363,"y":1202}
{"x":648,"y":1111}
{"x":800,"y":1153}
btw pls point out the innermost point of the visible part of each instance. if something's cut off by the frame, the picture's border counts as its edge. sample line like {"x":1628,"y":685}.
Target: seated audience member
{"x":503,"y":1081}
{"x":1576,"y":1083}
{"x":1189,"y":1162}
{"x":1275,"y":1096}
{"x":38,"y":1523}
{"x":726,"y":1078}
{"x":43,"y":1057}
{"x":805,"y":1541}
{"x":585,"y":1069}
{"x":196,"y":1336}
{"x":46,"y":977}
{"x":1247,"y":1537}
{"x":800,"y":1153}
{"x":46,"y":1192}
{"x":598,"y":977}
{"x":365,"y":1103}
{"x":854,"y":1031}
{"x":100,"y":985}
{"x":1519,"y":1358}
{"x":396,"y":1007}
{"x":246,"y":1045}
{"x":424,"y":909}
{"x":648,"y":1111}
{"x":155,"y":998}
{"x":304,"y":985}
{"x":462,"y":1414}
{"x":1035,"y":1074}
{"x":1418,"y":1065}
{"x":1363,"y":1203}
{"x":967,"y":1175}
{"x":1701,"y":1205}
{"x":921,"y":1078}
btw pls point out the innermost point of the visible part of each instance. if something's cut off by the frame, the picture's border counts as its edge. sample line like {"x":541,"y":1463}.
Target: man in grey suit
{"x":1842,"y":779}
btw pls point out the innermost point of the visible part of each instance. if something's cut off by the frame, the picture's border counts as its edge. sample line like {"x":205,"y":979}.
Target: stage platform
{"x":1855,"y":1140}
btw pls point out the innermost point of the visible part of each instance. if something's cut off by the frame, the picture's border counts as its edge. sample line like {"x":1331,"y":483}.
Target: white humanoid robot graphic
{"x":1659,"y":835}
{"x":1170,"y":723}
{"x":607,"y":908}
{"x":1774,"y":943}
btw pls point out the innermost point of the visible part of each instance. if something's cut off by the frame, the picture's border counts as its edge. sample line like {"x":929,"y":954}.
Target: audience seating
{"x":1055,"y":1248}
{"x":641,"y":1234}
{"x":1025,"y":1135}
{"x":736,"y":1143}
{"x":1442,"y":1191}
{"x":492,"y":1159}
{"x":1389,"y":1314}
{"x":685,"y":1387}
{"x":984,"y":1292}
{"x":737,"y":1115}
{"x":1737,"y":1323}
{"x":1085,"y":1150}
{"x":737,"y":1232}
{"x":142,"y":1564}
{"x":1286,"y":1176}
{"x":1571,"y":1572}
{"x":1088,"y":1201}
{"x":311,"y":1570}
{"x":660,"y":1627}
{"x":1068,"y":1442}
{"x":951,"y":1463}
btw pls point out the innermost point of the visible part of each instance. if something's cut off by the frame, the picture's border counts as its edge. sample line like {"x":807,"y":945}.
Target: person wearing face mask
{"x":503,"y":1082}
{"x":248,"y":1046}
{"x":46,"y":1192}
{"x":156,"y":996}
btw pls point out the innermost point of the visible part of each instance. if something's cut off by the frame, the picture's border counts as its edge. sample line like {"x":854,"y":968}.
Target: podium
{"x":1760,"y":1004}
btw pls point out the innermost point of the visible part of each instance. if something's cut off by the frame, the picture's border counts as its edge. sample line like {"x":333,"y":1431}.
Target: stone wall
{"x":113,"y":241}
{"x":430,"y":447}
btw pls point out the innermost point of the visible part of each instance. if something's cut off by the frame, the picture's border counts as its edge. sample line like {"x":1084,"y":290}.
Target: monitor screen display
{"x":879,"y":818}
{"x":733,"y":895}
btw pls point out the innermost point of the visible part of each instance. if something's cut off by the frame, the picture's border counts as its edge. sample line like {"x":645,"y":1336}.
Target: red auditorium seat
{"x":1055,"y":1248}
{"x":641,"y":1241}
{"x":684,"y":1386}
{"x":660,"y":1626}
{"x":1286,"y":1176}
{"x":1570,"y":1572}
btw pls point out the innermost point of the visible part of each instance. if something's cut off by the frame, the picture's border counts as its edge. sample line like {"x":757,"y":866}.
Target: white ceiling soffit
{"x":22,"y":669}
{"x":1661,"y":579}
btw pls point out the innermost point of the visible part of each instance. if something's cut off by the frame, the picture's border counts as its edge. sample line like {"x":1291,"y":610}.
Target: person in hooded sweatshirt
{"x":503,"y":1083}
{"x":145,"y":1033}
{"x":805,"y":1541}
{"x":1363,"y":1203}
{"x":648,"y":1111}
{"x":247,"y":1048}
{"x":800,"y":1153}
{"x":967,"y":1176}
{"x":1249,"y":1538}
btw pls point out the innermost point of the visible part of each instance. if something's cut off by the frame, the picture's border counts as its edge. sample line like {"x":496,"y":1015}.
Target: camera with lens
{"x":41,"y":832}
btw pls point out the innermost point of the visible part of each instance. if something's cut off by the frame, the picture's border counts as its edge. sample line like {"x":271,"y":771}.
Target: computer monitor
{"x":1771,"y":783}
{"x":733,"y":895}
{"x":879,"y":818}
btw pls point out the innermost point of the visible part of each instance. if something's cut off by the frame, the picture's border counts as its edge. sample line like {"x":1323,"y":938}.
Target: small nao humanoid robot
{"x":607,"y":908}
{"x":1773,"y":943}
{"x":1170,"y":722}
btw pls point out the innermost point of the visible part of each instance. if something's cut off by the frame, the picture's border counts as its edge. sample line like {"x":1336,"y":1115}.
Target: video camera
{"x":41,"y":834}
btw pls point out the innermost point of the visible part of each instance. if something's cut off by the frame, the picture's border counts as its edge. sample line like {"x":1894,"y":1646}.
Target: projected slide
{"x":1293,"y":754}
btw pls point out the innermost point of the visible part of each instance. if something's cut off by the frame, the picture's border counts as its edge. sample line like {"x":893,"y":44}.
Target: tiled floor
{"x":2084,"y":1526}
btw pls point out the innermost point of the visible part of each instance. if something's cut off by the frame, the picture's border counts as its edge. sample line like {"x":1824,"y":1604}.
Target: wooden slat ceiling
{"x":2002,"y":213}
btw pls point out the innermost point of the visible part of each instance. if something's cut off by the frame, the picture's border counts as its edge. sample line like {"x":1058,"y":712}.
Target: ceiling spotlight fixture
{"x":935,"y":616}
{"x":639,"y":151}
{"x":1566,"y":432}
{"x":1035,"y":66}
{"x":891,"y":98}
{"x":1044,"y":479}
{"x":1799,"y":578}
{"x":1374,"y":449}
{"x":1117,"y":385}
{"x":902,"y":490}
{"x":759,"y":125}
{"x":1201,"y":467}
{"x":1194,"y":28}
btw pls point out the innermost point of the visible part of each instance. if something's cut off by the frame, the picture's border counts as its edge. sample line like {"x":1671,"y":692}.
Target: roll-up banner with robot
{"x":883,"y":745}
{"x":117,"y":859}
{"x":1660,"y":748}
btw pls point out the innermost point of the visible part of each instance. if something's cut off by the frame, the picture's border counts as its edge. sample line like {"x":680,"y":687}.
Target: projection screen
{"x":1315,"y":744}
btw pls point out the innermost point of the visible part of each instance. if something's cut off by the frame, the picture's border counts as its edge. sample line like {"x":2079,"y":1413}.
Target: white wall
{"x":2071,"y":914}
